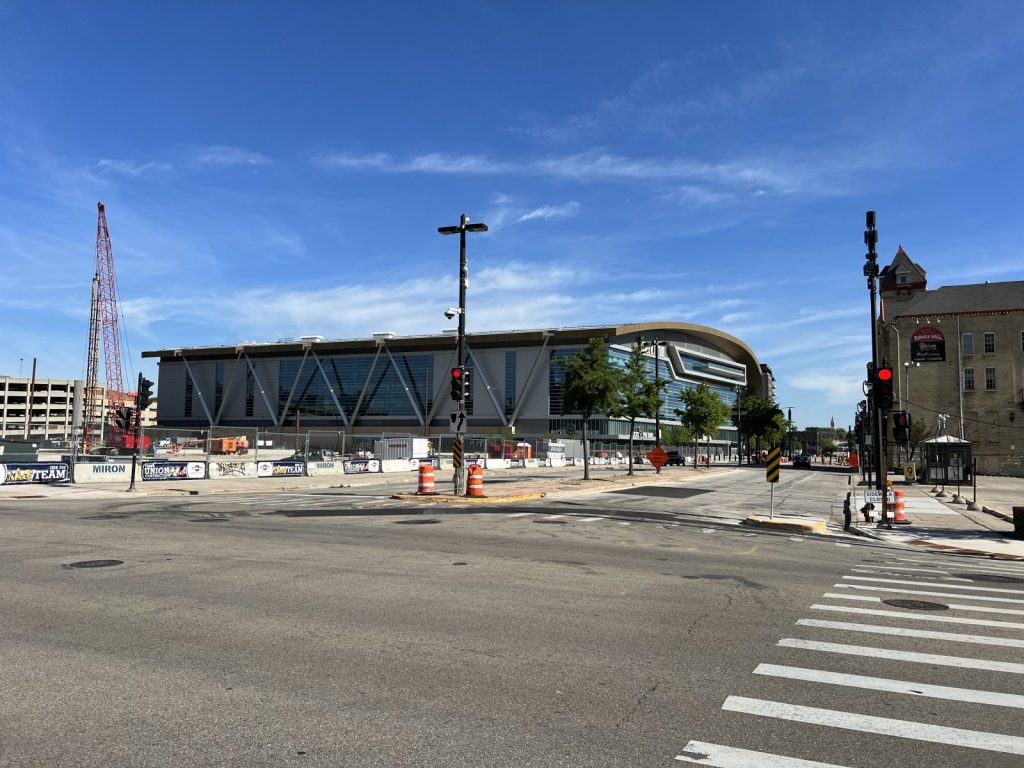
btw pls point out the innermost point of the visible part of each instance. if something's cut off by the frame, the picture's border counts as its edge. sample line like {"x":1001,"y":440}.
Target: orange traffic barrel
{"x":899,"y":514}
{"x":426,"y":481}
{"x":475,"y":481}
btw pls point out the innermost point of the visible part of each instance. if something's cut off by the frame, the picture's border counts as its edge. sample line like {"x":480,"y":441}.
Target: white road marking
{"x":592,"y":519}
{"x":893,"y":686}
{"x":900,"y":567}
{"x":952,"y":606}
{"x":906,"y":729}
{"x":876,"y":629}
{"x":922,"y":616}
{"x":933,"y":584}
{"x":897,"y":591}
{"x":521,"y":514}
{"x":843,"y":545}
{"x":899,"y":572}
{"x":718,"y":756}
{"x":553,"y":517}
{"x":920,"y":658}
{"x":986,"y":566}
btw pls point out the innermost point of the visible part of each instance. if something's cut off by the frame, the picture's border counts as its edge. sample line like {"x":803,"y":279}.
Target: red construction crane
{"x":104,"y":321}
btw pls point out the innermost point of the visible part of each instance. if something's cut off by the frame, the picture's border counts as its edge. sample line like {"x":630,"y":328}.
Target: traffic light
{"x":882,"y":388}
{"x":145,"y":393}
{"x":458,"y":384}
{"x":901,"y":427}
{"x":123,"y":418}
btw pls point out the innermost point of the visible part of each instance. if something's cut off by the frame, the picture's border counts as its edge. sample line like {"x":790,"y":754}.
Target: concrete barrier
{"x":222,"y":470}
{"x":318,"y":468}
{"x":105,"y":472}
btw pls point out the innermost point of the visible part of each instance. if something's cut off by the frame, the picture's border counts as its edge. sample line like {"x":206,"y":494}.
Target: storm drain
{"x":93,"y":564}
{"x":917,"y":605}
{"x":416,"y":521}
{"x":994,"y":578}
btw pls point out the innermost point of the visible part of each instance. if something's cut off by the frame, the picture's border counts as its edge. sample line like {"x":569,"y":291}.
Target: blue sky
{"x":280,"y":169}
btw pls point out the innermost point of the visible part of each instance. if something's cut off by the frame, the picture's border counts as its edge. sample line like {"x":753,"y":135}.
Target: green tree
{"x":638,"y":396}
{"x":762,"y":420}
{"x":828,"y":446}
{"x":677,"y":434}
{"x":703,"y":413}
{"x":591,"y":386}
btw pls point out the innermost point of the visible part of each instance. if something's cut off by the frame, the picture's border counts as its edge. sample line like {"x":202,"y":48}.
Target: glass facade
{"x":556,"y":379}
{"x":510,"y":383}
{"x":386,"y":393}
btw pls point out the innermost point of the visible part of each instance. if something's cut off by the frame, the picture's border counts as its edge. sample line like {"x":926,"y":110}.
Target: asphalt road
{"x":344,"y":629}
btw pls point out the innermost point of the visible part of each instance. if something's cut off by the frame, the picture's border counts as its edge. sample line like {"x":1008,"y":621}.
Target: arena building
{"x":400,"y":384}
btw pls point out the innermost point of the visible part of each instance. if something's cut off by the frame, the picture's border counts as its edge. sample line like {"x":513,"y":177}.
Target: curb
{"x":788,"y":524}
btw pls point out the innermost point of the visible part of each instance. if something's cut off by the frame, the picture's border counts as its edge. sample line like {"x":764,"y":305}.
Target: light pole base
{"x":459,"y":481}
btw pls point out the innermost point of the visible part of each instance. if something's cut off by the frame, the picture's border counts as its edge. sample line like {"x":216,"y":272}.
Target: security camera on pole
{"x":459,"y":387}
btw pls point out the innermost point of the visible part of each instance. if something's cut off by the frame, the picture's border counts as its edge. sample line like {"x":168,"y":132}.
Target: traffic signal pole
{"x":877,"y":413}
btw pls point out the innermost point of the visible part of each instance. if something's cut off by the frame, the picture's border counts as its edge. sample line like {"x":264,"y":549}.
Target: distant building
{"x":958,"y":352}
{"x":401,"y":383}
{"x":48,"y":414}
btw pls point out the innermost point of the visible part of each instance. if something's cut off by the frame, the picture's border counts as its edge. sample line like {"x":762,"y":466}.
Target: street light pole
{"x":461,"y":229}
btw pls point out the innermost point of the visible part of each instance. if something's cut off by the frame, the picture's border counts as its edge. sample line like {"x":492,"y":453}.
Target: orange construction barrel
{"x":899,"y":514}
{"x":426,"y":481}
{"x":475,"y":481}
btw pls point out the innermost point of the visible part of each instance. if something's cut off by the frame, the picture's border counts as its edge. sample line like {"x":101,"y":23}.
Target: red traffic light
{"x":884,"y":374}
{"x":456,"y":373}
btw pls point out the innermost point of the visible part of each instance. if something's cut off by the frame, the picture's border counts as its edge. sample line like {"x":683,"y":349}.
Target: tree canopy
{"x":591,"y":386}
{"x":638,"y":396}
{"x":703,"y":411}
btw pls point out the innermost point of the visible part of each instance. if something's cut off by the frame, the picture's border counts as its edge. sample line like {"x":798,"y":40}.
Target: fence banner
{"x":356,"y":466}
{"x":103,"y":472}
{"x":225,"y":470}
{"x":280,"y":468}
{"x":317,"y":468}
{"x":173,"y":470}
{"x":398,"y":465}
{"x":34,"y":472}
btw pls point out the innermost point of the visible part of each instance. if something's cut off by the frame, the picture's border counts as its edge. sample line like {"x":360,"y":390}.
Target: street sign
{"x":458,"y":420}
{"x":875,"y":497}
{"x":774,"y":457}
{"x":657,"y":457}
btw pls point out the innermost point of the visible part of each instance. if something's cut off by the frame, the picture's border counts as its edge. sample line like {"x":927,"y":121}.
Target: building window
{"x":510,"y":383}
{"x":990,"y":343}
{"x":968,"y":379}
{"x":968,"y":344}
{"x":1022,"y":341}
{"x":990,"y":378}
{"x":902,"y":279}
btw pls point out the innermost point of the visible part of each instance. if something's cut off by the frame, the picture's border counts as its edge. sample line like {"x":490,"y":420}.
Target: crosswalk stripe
{"x":898,"y":572}
{"x":875,"y":629}
{"x":591,"y":519}
{"x":952,"y":606}
{"x":933,"y":584}
{"x":902,"y":568}
{"x":993,"y":698}
{"x":912,"y":656}
{"x":981,"y":567}
{"x":921,"y":616}
{"x":521,"y":514}
{"x":906,"y":729}
{"x":553,"y":517}
{"x":718,"y":756}
{"x":898,"y":591}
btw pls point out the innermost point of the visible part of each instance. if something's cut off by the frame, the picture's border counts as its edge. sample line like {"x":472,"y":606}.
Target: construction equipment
{"x":229,"y":445}
{"x":104,"y":399}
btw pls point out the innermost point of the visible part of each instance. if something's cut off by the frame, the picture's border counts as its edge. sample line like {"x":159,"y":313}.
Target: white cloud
{"x":132,"y":168}
{"x":226,"y":156}
{"x":551,"y":212}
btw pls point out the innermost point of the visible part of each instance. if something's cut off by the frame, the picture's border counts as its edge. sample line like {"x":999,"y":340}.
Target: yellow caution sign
{"x":457,"y":453}
{"x":774,"y":457}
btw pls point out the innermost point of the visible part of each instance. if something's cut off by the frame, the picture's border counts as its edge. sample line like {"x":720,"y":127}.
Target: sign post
{"x":772,"y":474}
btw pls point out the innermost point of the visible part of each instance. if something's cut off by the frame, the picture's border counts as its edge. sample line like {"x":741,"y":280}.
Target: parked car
{"x":801,"y":461}
{"x":675,"y":459}
{"x":315,"y":454}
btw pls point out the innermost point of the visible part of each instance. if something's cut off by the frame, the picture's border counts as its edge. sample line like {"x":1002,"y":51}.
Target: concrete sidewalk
{"x":937,"y":523}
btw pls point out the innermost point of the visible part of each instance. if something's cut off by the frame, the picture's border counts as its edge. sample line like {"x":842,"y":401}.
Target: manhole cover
{"x":995,"y":579}
{"x":416,"y":522}
{"x":93,"y":564}
{"x":917,"y":605}
{"x":551,"y":522}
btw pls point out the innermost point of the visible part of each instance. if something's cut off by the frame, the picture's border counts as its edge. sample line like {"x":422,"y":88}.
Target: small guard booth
{"x":947,"y":461}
